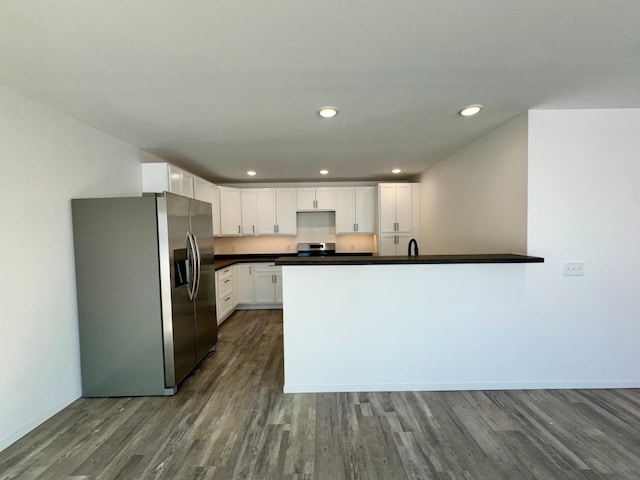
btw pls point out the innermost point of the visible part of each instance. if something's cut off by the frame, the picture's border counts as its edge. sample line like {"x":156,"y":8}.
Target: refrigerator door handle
{"x":191,"y":265}
{"x":198,"y":266}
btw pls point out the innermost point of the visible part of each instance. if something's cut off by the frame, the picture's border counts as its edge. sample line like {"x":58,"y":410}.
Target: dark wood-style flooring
{"x":230,"y":420}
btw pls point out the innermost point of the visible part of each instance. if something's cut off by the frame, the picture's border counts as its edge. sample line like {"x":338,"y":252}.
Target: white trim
{"x":435,"y":387}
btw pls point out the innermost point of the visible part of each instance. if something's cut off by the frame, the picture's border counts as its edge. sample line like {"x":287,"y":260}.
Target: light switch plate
{"x":573,"y":269}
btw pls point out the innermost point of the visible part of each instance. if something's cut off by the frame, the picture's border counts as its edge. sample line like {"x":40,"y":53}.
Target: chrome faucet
{"x":415,"y":247}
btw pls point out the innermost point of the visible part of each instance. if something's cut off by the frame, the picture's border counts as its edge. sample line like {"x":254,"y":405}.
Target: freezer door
{"x":205,"y":298}
{"x":181,"y":330}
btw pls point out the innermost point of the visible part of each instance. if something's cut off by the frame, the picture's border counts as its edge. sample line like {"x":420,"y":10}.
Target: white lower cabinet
{"x":260,"y":285}
{"x":245,"y":283}
{"x":225,"y":295}
{"x":394,"y":244}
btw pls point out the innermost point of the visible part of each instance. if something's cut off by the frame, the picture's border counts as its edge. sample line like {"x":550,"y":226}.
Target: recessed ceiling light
{"x":470,"y":110}
{"x":396,"y":170}
{"x":324,"y":172}
{"x":328,"y":112}
{"x":251,"y":173}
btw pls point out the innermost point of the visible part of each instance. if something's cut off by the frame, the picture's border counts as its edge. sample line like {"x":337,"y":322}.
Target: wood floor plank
{"x":231,"y":421}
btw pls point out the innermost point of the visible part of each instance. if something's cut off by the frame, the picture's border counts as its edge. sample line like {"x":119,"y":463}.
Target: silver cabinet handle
{"x":238,"y":228}
{"x":253,"y":228}
{"x":227,"y":281}
{"x":274,"y":229}
{"x":357,"y":228}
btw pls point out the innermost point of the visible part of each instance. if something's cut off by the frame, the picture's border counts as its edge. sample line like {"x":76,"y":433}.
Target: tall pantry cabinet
{"x":398,"y":217}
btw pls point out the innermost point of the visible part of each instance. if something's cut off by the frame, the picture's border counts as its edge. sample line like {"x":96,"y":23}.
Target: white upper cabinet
{"x":248,"y":200}
{"x":276,"y":211}
{"x":164,"y":177}
{"x":268,"y":211}
{"x":230,"y":211}
{"x":286,"y":211}
{"x":208,"y":192}
{"x":267,"y":215}
{"x":316,"y":198}
{"x":396,"y":205}
{"x":355,"y":210}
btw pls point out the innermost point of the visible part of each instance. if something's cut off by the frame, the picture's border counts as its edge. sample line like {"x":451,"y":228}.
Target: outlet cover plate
{"x":573,"y":269}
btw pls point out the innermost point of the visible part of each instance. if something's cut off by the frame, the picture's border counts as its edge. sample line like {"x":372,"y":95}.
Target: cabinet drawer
{"x":225,"y":305}
{"x":225,"y":286}
{"x":224,"y":273}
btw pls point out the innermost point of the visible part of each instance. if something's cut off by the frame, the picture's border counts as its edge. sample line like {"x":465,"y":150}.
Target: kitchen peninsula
{"x":430,"y":322}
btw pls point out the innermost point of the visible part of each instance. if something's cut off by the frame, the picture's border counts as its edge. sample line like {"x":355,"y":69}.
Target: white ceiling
{"x":222,"y":86}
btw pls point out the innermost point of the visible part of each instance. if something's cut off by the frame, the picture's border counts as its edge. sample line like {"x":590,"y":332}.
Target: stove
{"x":316,"y":249}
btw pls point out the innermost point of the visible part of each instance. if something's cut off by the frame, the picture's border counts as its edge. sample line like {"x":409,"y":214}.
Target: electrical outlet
{"x":573,"y":269}
{"x":233,"y":249}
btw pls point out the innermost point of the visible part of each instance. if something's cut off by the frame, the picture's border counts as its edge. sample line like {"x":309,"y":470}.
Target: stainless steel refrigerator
{"x":145,"y":284}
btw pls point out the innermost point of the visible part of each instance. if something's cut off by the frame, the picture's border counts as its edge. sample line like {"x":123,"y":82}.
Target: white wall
{"x":476,"y":200}
{"x":47,"y":159}
{"x":495,"y":326}
{"x":583,"y":204}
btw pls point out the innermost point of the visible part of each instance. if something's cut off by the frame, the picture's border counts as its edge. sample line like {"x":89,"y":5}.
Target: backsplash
{"x":312,"y":227}
{"x":344,"y":244}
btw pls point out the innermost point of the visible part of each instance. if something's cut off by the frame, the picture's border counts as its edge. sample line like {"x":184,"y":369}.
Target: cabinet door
{"x":236,"y":285}
{"x":175,"y":180}
{"x":245,"y":284}
{"x":264,"y":285}
{"x":345,"y":210}
{"x":387,"y":207}
{"x":404,"y":207}
{"x":306,"y":198}
{"x":249,"y":209}
{"x":208,"y":192}
{"x":215,"y":209}
{"x":326,"y":198}
{"x":365,"y":210}
{"x":186,"y":184}
{"x":387,"y":245}
{"x":266,"y":205}
{"x":394,"y":244}
{"x":402,"y":247}
{"x":286,"y":218}
{"x":278,"y":285}
{"x":229,"y":211}
{"x":180,"y":182}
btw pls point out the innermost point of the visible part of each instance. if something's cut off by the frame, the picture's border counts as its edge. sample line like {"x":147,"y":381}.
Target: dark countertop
{"x":223,"y":261}
{"x":404,"y":260}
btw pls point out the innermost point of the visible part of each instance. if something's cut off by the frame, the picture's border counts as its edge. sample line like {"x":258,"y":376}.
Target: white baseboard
{"x":434,"y":387}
